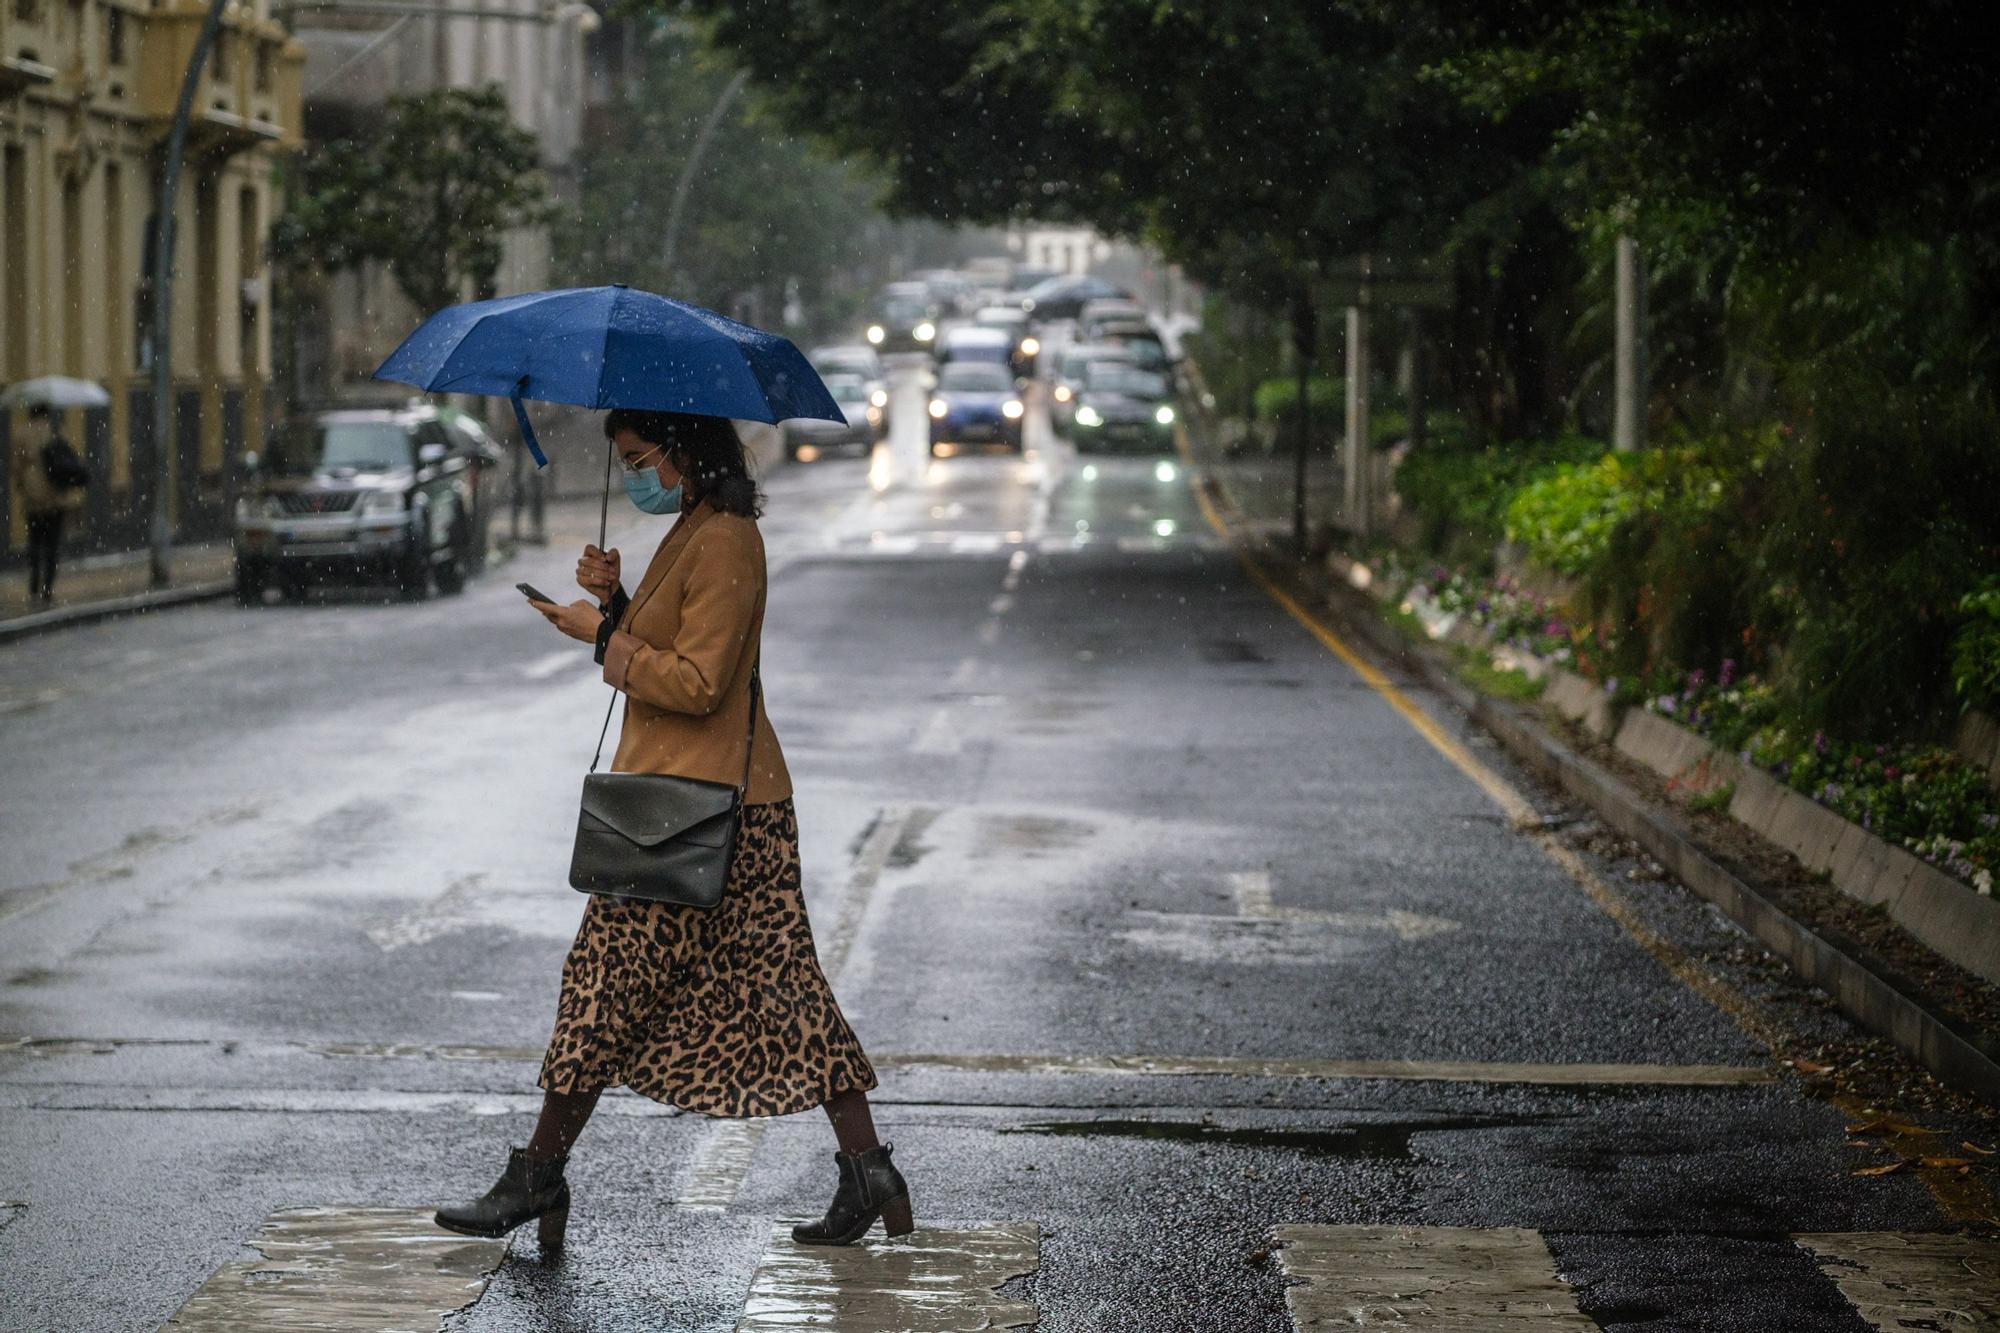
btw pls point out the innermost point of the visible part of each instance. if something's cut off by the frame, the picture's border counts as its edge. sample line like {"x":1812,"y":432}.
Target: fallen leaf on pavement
{"x":1888,"y":1170}
{"x":1983,"y":1152}
{"x":1808,"y":1067}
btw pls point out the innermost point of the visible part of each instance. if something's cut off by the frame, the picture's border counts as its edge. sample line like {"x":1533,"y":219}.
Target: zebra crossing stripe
{"x":936,"y":1280}
{"x":343,"y":1270}
{"x":1898,"y":1280}
{"x":1438,"y":1279}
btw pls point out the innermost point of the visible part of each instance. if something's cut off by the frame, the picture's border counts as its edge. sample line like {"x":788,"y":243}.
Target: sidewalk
{"x":93,"y":586}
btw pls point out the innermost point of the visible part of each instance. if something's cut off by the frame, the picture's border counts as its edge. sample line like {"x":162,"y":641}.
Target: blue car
{"x":975,"y":402}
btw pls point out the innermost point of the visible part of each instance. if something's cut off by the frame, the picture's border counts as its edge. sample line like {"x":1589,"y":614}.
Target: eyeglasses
{"x":631,"y":469}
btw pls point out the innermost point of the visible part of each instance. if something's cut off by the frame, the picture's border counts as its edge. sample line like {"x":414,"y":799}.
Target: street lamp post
{"x":163,"y":300}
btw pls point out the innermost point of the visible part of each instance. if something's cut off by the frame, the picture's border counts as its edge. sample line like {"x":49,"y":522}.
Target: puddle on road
{"x":1228,"y":651}
{"x":1029,"y":835}
{"x":1374,"y":1141}
{"x":344,"y":1269}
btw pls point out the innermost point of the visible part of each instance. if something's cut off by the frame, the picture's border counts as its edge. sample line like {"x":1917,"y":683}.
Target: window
{"x":260,"y":67}
{"x":114,"y":35}
{"x":218,"y":58}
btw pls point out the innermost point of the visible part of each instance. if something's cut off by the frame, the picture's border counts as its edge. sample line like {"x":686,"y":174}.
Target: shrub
{"x":1975,"y":652}
{"x":1459,"y":493}
{"x":1564,"y":520}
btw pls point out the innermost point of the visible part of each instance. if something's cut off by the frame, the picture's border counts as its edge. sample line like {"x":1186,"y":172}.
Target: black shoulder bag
{"x":658,"y":837}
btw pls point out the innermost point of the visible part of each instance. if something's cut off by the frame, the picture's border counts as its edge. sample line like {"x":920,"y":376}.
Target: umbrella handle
{"x":528,"y":431}
{"x":604,"y":506}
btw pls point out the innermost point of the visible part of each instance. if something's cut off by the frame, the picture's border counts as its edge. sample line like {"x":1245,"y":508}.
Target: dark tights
{"x":564,"y":1114}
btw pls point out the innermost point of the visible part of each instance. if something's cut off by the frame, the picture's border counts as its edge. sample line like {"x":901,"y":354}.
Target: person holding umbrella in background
{"x":721,"y":1009}
{"x":45,"y":467}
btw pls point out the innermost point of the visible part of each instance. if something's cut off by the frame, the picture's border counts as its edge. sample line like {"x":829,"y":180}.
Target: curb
{"x":1873,"y":995}
{"x":21,"y":627}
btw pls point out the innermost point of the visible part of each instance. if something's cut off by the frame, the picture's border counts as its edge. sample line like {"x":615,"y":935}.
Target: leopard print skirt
{"x":724,"y":1011}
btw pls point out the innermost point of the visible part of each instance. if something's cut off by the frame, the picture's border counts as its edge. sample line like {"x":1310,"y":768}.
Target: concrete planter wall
{"x":1947,"y":916}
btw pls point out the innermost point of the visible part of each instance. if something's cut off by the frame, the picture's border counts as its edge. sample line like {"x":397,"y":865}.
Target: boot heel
{"x":549,"y":1230}
{"x":896,"y":1218}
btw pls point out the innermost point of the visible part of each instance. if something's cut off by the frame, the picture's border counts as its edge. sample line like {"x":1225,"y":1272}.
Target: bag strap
{"x":749,"y":735}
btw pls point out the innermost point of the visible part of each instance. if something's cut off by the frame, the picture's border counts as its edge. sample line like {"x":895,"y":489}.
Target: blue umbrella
{"x":610,"y":347}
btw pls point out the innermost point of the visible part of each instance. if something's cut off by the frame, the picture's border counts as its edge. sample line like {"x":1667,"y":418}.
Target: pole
{"x":1628,"y":416}
{"x":1305,"y":337}
{"x":686,"y":182}
{"x":1358,"y":453}
{"x":163,"y":300}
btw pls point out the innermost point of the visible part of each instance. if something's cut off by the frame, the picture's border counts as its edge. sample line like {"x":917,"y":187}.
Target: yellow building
{"x":87,"y":95}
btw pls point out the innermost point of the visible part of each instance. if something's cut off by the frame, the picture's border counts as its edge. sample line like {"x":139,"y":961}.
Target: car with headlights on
{"x":1013,"y":321}
{"x":906,"y":318}
{"x":854,"y":359}
{"x":366,"y":494}
{"x":975,"y":402}
{"x":1092,"y":318}
{"x":807,"y":439}
{"x":1121,"y":407}
{"x":1067,"y":382}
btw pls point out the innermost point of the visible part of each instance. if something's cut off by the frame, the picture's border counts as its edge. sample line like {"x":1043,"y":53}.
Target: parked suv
{"x":396,"y":494}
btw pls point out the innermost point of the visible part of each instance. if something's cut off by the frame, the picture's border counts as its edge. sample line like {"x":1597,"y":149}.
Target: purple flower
{"x":1695,"y":678}
{"x":1728,"y":672}
{"x":1819,"y":742}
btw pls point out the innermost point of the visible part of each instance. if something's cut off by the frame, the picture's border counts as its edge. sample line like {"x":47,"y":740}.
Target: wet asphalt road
{"x":292,"y":879}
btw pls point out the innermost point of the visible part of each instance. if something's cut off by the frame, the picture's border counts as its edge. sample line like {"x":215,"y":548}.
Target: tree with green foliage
{"x":768,"y":218}
{"x":430,"y":191}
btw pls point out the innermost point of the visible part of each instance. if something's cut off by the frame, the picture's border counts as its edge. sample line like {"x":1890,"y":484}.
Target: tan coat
{"x":39,"y":495}
{"x":682,"y":654}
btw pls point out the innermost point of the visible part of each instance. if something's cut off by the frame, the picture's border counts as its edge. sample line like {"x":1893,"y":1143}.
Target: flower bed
{"x":1926,"y":799}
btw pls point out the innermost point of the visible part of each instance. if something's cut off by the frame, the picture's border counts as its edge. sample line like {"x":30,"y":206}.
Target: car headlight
{"x":1165,"y":416}
{"x":1063,"y":394}
{"x":876,"y":333}
{"x":880,"y":398}
{"x":1087,"y":416}
{"x":1011,"y":409}
{"x":939,"y":407}
{"x":874,"y":416}
{"x":924,"y":332}
{"x":384,"y":502}
{"x":1030,"y":346}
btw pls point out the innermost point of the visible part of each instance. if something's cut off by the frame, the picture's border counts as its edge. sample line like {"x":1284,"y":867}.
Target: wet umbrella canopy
{"x":610,"y":347}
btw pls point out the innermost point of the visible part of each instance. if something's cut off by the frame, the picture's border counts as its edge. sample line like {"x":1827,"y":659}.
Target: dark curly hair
{"x":706,"y":451}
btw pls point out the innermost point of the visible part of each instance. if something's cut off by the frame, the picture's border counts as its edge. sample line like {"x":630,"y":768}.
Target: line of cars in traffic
{"x":1107,"y":371}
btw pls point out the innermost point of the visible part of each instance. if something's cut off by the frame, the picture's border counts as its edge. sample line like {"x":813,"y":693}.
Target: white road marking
{"x":1445,"y":1279}
{"x":360,"y":1269}
{"x":1252,"y":889}
{"x":472,"y":902}
{"x":1001,"y":605}
{"x":1253,"y":893}
{"x":544,"y":667}
{"x":962,"y":675}
{"x":935,"y":1280}
{"x":939,"y":736}
{"x":720,"y":1164}
{"x":1908,"y":1280}
{"x":977,"y":543}
{"x":1409,"y":1071}
{"x":989,"y":633}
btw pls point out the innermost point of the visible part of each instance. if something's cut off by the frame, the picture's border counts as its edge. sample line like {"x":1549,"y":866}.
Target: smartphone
{"x":532,"y":593}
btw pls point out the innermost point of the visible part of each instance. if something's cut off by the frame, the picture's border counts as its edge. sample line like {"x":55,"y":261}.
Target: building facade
{"x":356,"y":60}
{"x":87,"y":96}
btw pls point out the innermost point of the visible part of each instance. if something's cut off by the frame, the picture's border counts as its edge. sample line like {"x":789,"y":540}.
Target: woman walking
{"x":724,"y":1011}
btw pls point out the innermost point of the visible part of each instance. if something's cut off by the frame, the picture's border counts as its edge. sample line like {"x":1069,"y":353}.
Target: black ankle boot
{"x":530,"y":1187}
{"x":870,"y":1187}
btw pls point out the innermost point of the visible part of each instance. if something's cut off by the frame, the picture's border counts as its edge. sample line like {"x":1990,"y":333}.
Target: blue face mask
{"x":643,"y":489}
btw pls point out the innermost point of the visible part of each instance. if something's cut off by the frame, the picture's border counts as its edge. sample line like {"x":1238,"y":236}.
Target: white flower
{"x":1983,"y":881}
